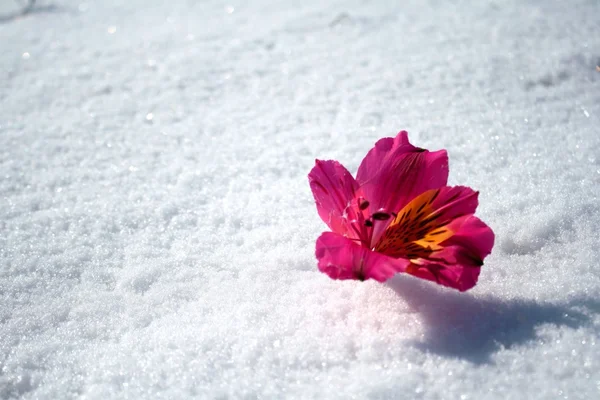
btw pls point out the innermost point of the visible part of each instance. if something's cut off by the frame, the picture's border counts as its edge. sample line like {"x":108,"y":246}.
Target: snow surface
{"x":157,"y":229}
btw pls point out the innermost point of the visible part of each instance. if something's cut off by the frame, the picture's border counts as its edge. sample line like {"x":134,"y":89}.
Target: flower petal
{"x":369,"y":167}
{"x":473,"y":236}
{"x":438,"y":233}
{"x":342,"y":258}
{"x":333,"y":188}
{"x":426,"y":221}
{"x":457,"y":276}
{"x":458,"y":263}
{"x":395,"y":172}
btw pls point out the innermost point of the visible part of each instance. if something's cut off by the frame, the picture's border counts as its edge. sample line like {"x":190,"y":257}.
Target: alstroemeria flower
{"x":398,"y":215}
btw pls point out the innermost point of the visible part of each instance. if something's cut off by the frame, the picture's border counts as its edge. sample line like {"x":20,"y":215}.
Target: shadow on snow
{"x":473,"y":328}
{"x":30,"y":9}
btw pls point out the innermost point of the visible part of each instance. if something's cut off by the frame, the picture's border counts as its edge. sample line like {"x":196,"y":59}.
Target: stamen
{"x":381,"y":216}
{"x":362,"y":203}
{"x":368,"y":223}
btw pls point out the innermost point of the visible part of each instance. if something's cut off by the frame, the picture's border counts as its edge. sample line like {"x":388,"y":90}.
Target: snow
{"x":157,"y":229}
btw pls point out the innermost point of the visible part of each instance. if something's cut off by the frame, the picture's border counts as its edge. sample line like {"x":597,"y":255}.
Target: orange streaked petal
{"x":412,"y":233}
{"x":424,"y":223}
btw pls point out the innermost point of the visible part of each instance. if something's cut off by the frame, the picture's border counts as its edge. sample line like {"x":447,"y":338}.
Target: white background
{"x":157,"y":229}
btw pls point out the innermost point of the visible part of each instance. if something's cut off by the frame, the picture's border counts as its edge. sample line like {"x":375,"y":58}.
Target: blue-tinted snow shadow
{"x":30,"y":9}
{"x":473,"y":328}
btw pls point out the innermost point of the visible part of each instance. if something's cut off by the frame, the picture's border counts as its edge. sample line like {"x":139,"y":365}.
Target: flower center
{"x":416,"y":231}
{"x":375,"y":225}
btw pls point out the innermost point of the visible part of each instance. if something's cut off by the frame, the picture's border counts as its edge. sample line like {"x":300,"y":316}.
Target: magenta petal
{"x":458,"y":264}
{"x":474,"y":238}
{"x":370,"y":165}
{"x":452,"y":202}
{"x":333,"y":188}
{"x":457,"y":276}
{"x":394,"y":172}
{"x":341,"y":258}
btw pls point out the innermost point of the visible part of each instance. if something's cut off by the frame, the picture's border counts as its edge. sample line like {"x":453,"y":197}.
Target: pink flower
{"x":398,"y":215}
